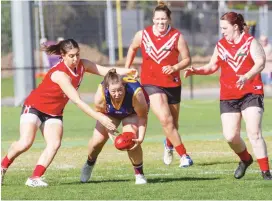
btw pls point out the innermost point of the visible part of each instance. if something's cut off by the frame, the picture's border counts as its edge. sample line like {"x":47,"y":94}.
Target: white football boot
{"x":185,"y":161}
{"x":36,"y":182}
{"x":168,"y":154}
{"x":140,"y":179}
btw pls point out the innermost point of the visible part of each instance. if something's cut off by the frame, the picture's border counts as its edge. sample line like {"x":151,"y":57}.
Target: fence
{"x":86,"y":22}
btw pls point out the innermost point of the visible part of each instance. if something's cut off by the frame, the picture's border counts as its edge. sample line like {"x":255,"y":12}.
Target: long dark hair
{"x":60,"y":48}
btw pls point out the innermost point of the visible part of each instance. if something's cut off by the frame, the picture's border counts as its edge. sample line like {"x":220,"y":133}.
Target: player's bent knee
{"x":23,"y":145}
{"x":232,"y":139}
{"x":167,"y":122}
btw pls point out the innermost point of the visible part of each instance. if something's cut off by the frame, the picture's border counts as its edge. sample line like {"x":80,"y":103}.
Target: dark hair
{"x":235,"y":18}
{"x":111,"y":77}
{"x":162,"y":7}
{"x":60,"y":48}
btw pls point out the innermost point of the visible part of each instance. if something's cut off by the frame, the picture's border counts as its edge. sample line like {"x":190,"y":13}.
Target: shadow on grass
{"x":217,"y":163}
{"x":164,"y":180}
{"x":98,"y":181}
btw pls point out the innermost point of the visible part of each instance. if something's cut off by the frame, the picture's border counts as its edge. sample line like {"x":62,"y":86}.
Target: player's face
{"x":71,"y":58}
{"x":117,"y":91}
{"x":227,"y":30}
{"x":160,"y":21}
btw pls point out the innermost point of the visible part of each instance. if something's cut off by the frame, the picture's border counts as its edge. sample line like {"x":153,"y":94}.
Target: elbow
{"x":214,"y":68}
{"x":261,"y":64}
{"x":77,"y":101}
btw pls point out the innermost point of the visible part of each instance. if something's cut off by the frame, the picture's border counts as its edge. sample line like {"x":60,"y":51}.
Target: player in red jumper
{"x":161,"y":46}
{"x":241,"y":59}
{"x":43,"y":108}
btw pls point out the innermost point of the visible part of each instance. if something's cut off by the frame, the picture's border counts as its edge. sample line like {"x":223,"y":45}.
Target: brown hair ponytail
{"x":60,"y":48}
{"x":111,"y":77}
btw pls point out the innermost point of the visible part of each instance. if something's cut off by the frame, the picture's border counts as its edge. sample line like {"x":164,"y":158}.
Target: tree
{"x":6,"y":35}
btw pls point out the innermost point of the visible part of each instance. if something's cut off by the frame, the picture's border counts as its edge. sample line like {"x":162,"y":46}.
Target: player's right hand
{"x":189,"y":71}
{"x":112,"y":135}
{"x":133,"y":73}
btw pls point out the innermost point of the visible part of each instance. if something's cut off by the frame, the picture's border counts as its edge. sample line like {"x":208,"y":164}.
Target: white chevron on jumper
{"x":236,"y":61}
{"x":154,"y":53}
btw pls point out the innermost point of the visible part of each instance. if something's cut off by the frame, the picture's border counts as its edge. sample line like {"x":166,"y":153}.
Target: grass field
{"x":211,"y":176}
{"x":90,"y":82}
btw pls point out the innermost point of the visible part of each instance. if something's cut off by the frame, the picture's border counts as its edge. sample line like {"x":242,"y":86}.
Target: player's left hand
{"x":241,"y":81}
{"x":137,"y":141}
{"x":168,"y":70}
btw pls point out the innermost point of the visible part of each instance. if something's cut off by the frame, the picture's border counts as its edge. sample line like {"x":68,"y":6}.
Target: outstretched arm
{"x":207,"y":69}
{"x":63,"y":80}
{"x":136,"y":43}
{"x":102,"y":70}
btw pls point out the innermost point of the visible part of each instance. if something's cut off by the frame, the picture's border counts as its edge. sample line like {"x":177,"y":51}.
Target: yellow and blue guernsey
{"x":126,"y":107}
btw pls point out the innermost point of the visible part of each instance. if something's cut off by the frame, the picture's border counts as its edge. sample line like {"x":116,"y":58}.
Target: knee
{"x":167,"y":122}
{"x":254,"y":136}
{"x":235,"y":139}
{"x":23,"y":145}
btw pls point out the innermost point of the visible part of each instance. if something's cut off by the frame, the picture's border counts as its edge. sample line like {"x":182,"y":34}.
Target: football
{"x":124,"y":141}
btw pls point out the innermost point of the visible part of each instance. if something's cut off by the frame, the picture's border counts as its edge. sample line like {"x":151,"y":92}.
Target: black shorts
{"x":42,"y":116}
{"x":173,"y":93}
{"x":237,"y":105}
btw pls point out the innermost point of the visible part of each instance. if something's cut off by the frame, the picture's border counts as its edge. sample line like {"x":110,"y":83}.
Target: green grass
{"x":211,"y":177}
{"x":90,"y":82}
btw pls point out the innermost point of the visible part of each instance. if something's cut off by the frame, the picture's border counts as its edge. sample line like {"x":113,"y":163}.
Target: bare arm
{"x":65,"y":84}
{"x":258,"y":56}
{"x":102,"y":70}
{"x":185,"y":54}
{"x":99,"y":100}
{"x":136,"y":43}
{"x":141,"y":109}
{"x":185,"y":58}
{"x":207,"y":69}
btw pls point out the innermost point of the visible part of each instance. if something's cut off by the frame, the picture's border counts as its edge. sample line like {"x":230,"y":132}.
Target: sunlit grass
{"x":211,"y":176}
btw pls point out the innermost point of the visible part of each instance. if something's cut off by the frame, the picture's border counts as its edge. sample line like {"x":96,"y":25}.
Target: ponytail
{"x":61,"y":47}
{"x":111,"y":77}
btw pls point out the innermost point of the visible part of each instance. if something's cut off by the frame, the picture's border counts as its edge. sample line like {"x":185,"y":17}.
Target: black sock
{"x":91,"y":162}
